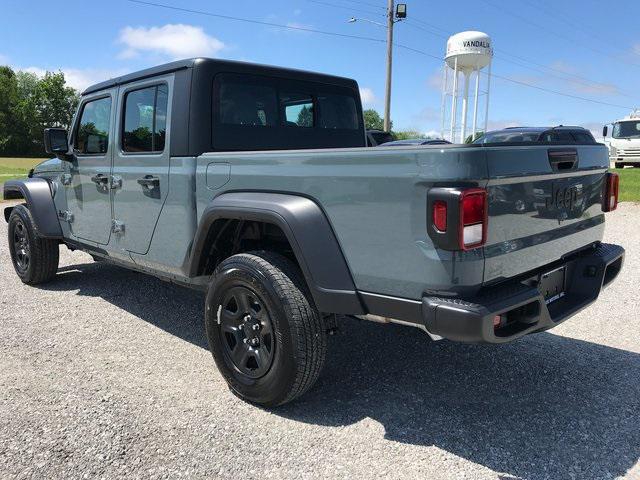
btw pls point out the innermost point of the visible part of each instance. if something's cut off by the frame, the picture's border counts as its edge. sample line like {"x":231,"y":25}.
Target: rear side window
{"x":92,"y":136}
{"x":145,"y":119}
{"x":337,"y":112}
{"x":243,"y":102}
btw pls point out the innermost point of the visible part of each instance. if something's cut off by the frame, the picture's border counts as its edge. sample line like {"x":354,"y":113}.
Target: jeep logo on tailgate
{"x":563,"y":198}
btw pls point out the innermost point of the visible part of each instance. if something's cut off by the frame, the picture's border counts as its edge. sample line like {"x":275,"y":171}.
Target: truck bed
{"x":375,"y":200}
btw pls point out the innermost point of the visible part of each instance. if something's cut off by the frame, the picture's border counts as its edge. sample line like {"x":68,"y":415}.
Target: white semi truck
{"x":624,"y":141}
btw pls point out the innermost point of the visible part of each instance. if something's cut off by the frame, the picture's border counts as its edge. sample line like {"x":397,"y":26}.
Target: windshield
{"x":626,"y":129}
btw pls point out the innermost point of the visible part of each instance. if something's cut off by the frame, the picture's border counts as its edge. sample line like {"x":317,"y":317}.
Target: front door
{"x":87,"y":188}
{"x":141,"y":161}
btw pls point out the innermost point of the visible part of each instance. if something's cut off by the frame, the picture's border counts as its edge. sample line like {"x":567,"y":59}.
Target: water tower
{"x":468,"y":53}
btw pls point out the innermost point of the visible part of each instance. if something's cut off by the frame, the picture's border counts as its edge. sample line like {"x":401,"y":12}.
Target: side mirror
{"x":605,"y":129}
{"x":56,"y":142}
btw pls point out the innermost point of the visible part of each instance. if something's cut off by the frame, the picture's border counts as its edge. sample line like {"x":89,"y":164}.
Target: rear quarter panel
{"x":375,"y":200}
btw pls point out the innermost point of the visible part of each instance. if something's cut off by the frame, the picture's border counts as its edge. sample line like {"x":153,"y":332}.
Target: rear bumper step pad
{"x":521,"y":303}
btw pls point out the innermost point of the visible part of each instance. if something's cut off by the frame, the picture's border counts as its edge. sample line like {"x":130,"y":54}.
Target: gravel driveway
{"x":106,"y":373}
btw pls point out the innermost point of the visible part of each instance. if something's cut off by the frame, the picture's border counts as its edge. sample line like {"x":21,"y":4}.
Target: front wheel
{"x":265,"y":334}
{"x":35,"y":259}
{"x":619,"y":165}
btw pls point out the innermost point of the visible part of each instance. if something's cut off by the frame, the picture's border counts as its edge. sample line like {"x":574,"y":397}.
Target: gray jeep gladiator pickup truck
{"x":254,"y":183}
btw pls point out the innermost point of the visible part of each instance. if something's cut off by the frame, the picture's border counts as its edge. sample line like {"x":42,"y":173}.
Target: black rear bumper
{"x":521,"y":305}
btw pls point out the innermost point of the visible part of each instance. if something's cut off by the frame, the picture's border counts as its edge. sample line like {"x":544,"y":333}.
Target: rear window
{"x":255,"y":112}
{"x":566,"y":136}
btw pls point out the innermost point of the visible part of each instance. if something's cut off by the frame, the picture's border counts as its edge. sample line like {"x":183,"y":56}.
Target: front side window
{"x":145,"y":119}
{"x":298,"y":109}
{"x":248,"y":104}
{"x":92,"y":136}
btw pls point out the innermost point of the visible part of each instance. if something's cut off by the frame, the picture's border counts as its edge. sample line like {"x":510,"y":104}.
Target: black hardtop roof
{"x":220,"y":64}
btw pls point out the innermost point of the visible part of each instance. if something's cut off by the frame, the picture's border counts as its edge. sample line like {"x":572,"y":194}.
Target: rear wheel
{"x":35,"y":259}
{"x":619,"y":165}
{"x":265,"y":334}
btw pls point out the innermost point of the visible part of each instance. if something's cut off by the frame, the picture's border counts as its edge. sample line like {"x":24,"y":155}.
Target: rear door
{"x":141,"y":161}
{"x":544,"y":203}
{"x":87,"y":186}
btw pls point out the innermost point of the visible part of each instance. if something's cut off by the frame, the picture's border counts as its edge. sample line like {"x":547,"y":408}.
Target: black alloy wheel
{"x":21,"y":246}
{"x":247,"y":332}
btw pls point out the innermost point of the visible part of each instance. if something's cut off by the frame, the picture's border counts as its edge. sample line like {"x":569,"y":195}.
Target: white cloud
{"x":367,"y":96}
{"x":583,"y":85}
{"x":434,"y":81}
{"x":433,"y":134}
{"x":595,"y":128}
{"x":297,"y":26}
{"x":596,"y":88}
{"x":77,"y":78}
{"x":171,"y":40}
{"x":500,"y":124}
{"x":294,"y":27}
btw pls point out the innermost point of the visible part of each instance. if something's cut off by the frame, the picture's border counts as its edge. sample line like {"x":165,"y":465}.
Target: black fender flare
{"x":309,"y":233}
{"x":37,"y":194}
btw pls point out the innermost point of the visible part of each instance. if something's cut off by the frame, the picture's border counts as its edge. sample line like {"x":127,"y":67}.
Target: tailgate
{"x":544,"y":203}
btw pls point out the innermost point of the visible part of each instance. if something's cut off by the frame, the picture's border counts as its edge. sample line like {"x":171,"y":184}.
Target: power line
{"x":367,"y":3}
{"x":566,"y":76}
{"x":553,"y":32}
{"x":519,"y":82}
{"x":370,"y":39}
{"x":345,"y":7}
{"x":257,"y":22}
{"x":560,"y":16}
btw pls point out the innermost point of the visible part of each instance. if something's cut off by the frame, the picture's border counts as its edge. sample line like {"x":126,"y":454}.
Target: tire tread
{"x":45,"y":252}
{"x":305,"y":322}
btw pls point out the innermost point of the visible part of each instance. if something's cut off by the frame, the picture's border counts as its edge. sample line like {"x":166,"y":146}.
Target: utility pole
{"x":387,"y":95}
{"x":394,"y":14}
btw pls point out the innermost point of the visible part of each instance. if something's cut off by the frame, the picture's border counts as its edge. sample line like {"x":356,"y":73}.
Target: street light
{"x":394,"y":14}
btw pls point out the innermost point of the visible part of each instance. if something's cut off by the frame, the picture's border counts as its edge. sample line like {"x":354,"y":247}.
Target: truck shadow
{"x":542,"y":407}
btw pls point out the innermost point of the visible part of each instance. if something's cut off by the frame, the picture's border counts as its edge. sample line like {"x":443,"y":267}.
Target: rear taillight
{"x":440,"y":215}
{"x":473,"y":218}
{"x":612,"y":185}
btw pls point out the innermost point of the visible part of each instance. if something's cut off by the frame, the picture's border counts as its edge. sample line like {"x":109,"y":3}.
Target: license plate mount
{"x":552,"y":284}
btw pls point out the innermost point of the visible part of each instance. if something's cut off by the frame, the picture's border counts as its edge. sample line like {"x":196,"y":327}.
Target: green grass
{"x":629,"y":184}
{"x":19,"y":163}
{"x":12,"y":167}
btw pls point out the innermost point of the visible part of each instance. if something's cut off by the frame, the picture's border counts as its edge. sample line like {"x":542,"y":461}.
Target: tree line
{"x":28,"y":104}
{"x":373,"y":121}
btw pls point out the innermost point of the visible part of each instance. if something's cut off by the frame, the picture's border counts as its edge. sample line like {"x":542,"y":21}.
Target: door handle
{"x":100,"y":179}
{"x":149,"y":181}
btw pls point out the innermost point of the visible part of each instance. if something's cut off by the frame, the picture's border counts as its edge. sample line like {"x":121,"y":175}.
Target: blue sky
{"x":585,"y":48}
